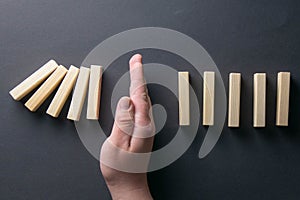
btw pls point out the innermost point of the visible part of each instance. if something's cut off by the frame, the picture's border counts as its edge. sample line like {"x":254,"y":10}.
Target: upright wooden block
{"x":94,"y":94}
{"x":234,"y":100}
{"x":79,"y":94}
{"x":259,"y":100}
{"x":283,"y":98}
{"x":34,"y":80}
{"x":63,"y":92}
{"x":184,"y":98}
{"x":208,"y":98}
{"x":46,"y":89}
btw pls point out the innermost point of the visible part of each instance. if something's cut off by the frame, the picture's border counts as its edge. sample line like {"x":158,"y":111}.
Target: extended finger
{"x":138,"y":91}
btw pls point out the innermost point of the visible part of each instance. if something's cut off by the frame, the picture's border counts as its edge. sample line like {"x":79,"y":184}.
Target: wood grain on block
{"x":208,"y":98}
{"x":283,"y":98}
{"x":63,"y":92}
{"x":259,"y":100}
{"x":79,"y":94}
{"x":46,"y":88}
{"x":234,"y":100}
{"x":34,"y":80}
{"x":94,"y":93}
{"x":184,"y":98}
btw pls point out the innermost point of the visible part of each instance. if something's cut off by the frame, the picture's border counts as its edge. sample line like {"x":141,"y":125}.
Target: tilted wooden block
{"x":94,"y":94}
{"x":234,"y":100}
{"x":46,"y":89}
{"x":79,"y":94}
{"x":259,"y":100}
{"x":184,"y":98}
{"x":63,"y":92}
{"x":208,"y":98}
{"x":34,"y":80}
{"x":283,"y":98}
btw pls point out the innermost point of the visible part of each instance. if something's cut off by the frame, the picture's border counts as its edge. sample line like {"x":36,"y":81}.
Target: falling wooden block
{"x":63,"y":92}
{"x":234,"y":100}
{"x":79,"y":94}
{"x":283,"y":98}
{"x":184,"y":98}
{"x":208,"y":98}
{"x":34,"y":80}
{"x":46,"y":89}
{"x":259,"y":100}
{"x":94,"y":94}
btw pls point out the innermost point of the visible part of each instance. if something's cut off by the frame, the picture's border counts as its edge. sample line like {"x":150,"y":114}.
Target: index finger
{"x":138,"y":83}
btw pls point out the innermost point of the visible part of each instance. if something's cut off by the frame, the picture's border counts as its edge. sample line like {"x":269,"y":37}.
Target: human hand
{"x":132,"y":132}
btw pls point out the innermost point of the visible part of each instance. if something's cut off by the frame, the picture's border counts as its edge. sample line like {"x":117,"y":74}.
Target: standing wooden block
{"x":79,"y":94}
{"x":94,"y":95}
{"x":63,"y":92}
{"x":35,"y":79}
{"x":208,"y":98}
{"x":283,"y":98}
{"x":234,"y":100}
{"x":259,"y":97}
{"x":184,"y":98}
{"x":46,"y":89}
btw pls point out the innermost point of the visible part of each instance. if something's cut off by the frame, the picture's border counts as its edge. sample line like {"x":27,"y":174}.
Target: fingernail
{"x":125,"y":103}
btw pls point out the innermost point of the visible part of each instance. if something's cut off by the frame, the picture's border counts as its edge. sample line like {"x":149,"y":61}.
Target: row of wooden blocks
{"x":234,"y":96}
{"x":53,"y":75}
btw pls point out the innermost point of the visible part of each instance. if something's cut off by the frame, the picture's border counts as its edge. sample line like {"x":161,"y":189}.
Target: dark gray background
{"x":43,"y":158}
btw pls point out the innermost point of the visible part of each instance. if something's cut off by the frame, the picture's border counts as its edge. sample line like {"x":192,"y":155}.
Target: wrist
{"x":124,"y":193}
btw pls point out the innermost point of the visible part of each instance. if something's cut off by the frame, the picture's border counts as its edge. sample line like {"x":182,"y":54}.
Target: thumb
{"x":124,"y":123}
{"x":124,"y":117}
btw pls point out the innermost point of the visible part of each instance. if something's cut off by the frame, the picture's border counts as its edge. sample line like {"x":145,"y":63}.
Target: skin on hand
{"x":132,"y":132}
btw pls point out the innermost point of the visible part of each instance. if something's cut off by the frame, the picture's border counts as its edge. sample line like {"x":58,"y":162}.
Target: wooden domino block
{"x":208,"y":98}
{"x":283,"y":98}
{"x":94,"y":93}
{"x":259,"y":100}
{"x":46,"y":89}
{"x":34,"y":80}
{"x":79,"y":94}
{"x":234,"y":100}
{"x":184,"y":98}
{"x":63,"y":92}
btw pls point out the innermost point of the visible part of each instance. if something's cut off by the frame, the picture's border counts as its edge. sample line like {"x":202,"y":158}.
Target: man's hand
{"x":132,"y":132}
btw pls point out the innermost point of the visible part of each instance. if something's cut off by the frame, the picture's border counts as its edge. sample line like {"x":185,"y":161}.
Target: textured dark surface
{"x":43,"y":158}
